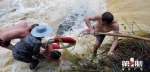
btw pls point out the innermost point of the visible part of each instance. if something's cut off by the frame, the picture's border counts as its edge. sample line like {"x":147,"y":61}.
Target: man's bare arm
{"x":15,"y":26}
{"x":115,"y":42}
{"x":10,"y":47}
{"x":42,"y":50}
{"x":93,"y":18}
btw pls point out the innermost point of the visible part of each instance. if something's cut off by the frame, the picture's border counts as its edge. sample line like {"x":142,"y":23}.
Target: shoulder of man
{"x":32,"y":38}
{"x":115,"y":25}
{"x":98,"y":15}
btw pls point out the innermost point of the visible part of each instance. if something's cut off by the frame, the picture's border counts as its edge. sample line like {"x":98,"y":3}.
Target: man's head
{"x":33,"y":26}
{"x":107,"y":17}
{"x":55,"y":54}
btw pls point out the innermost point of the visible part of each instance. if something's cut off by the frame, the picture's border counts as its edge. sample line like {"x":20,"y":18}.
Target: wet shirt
{"x":28,"y":47}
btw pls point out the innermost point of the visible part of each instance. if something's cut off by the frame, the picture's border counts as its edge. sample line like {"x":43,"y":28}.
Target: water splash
{"x":77,"y":12}
{"x":67,"y":14}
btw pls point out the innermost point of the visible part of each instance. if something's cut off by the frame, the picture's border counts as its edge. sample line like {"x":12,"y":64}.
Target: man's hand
{"x":42,"y":50}
{"x":92,"y":31}
{"x":110,"y":53}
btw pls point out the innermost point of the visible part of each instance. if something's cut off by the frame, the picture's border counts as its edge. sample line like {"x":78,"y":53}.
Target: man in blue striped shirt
{"x":26,"y":48}
{"x":30,"y":46}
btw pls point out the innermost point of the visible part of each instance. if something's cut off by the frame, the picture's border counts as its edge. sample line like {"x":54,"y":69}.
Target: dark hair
{"x":33,"y":26}
{"x":108,"y":17}
{"x":55,"y":54}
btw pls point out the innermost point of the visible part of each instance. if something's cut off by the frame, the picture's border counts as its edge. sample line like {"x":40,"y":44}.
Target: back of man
{"x":18,"y":31}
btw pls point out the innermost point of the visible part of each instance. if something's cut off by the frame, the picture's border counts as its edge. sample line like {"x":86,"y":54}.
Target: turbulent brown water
{"x":66,"y":18}
{"x":131,"y":10}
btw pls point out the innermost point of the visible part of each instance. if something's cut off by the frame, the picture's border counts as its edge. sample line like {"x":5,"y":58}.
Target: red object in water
{"x":64,"y":40}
